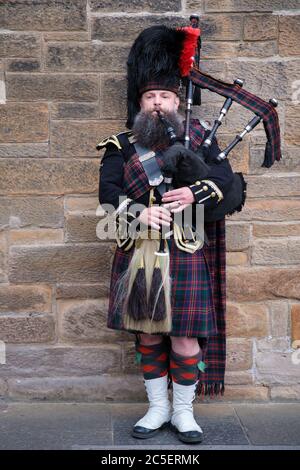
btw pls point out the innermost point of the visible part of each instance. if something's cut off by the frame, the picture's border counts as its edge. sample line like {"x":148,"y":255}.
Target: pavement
{"x":99,"y":426}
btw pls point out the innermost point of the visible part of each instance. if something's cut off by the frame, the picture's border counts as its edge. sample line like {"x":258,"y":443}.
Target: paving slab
{"x":46,"y":426}
{"x":219,"y":423}
{"x":271,"y":424}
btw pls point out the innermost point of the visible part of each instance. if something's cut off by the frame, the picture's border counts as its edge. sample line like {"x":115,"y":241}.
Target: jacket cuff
{"x":206,"y":192}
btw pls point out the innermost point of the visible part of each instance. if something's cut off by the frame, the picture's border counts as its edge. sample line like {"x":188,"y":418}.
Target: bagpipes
{"x":187,"y":165}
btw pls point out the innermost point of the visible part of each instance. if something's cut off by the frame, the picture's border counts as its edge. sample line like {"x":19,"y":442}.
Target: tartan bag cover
{"x":250,"y":101}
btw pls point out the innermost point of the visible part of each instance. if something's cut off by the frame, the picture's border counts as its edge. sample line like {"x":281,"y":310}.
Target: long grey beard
{"x":151,"y":133}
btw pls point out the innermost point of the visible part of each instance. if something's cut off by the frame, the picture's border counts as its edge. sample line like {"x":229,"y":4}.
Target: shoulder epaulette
{"x":115,"y":140}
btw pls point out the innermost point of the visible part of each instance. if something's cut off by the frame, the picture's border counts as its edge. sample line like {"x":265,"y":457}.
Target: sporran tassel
{"x":157,"y":301}
{"x":136,"y":304}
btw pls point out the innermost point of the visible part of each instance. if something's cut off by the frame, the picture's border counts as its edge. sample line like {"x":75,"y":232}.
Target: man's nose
{"x":157,"y":101}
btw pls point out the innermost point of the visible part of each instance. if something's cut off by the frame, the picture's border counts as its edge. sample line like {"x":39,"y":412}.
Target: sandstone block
{"x":19,"y":45}
{"x":82,"y":291}
{"x":113,"y":96}
{"x":273,"y":344}
{"x":80,"y":204}
{"x":289,"y":162}
{"x":79,"y":138}
{"x":295,"y":322}
{"x":262,"y":77}
{"x":279,"y":316}
{"x":23,"y":65}
{"x":273,"y":186}
{"x":3,"y":388}
{"x":222,"y":27}
{"x":239,"y":354}
{"x":64,"y":263}
{"x":260,"y":27}
{"x":219,"y":49}
{"x":258,"y":284}
{"x":39,"y":211}
{"x":289,"y":35}
{"x":246,"y":393}
{"x":281,"y":393}
{"x":65,"y":56}
{"x":36,"y":237}
{"x":269,"y":210}
{"x":236,"y":258}
{"x":44,"y":15}
{"x":104,"y":28}
{"x":292,"y":123}
{"x":249,"y":5}
{"x":134,"y":6}
{"x":39,"y":150}
{"x":27,"y":329}
{"x":19,"y":299}
{"x":277,"y":368}
{"x":247,"y":320}
{"x":262,"y":230}
{"x":237,"y":236}
{"x":55,"y":361}
{"x":75,"y":111}
{"x":85,"y":321}
{"x":48,"y":176}
{"x":24,"y":122}
{"x":274,"y":252}
{"x":130,"y":366}
{"x":81,"y":228}
{"x":52,"y":87}
{"x":65,"y":36}
{"x":257,"y":49}
{"x":93,"y":388}
{"x":238,"y":378}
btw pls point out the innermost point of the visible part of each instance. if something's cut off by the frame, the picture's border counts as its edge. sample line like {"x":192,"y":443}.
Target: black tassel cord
{"x":157,"y":286}
{"x":137,"y":300}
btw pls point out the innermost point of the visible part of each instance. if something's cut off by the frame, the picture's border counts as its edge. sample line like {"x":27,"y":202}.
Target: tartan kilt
{"x":192,"y":304}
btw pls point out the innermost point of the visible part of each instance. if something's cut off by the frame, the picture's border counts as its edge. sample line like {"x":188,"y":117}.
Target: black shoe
{"x":188,"y":436}
{"x":144,"y":433}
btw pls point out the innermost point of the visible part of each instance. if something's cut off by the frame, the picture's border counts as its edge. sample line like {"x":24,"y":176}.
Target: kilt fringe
{"x":211,"y":390}
{"x":204,"y":389}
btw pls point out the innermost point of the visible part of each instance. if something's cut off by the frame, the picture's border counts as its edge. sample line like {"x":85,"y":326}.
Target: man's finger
{"x":161,"y":221}
{"x":170,"y":205}
{"x":160,"y":210}
{"x":173,"y":192}
{"x":180,"y":208}
{"x":173,"y":198}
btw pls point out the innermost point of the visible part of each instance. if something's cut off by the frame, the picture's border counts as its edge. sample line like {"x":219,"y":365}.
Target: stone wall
{"x":62,"y":89}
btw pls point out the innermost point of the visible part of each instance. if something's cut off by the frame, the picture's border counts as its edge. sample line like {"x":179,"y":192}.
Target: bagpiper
{"x":168,"y":275}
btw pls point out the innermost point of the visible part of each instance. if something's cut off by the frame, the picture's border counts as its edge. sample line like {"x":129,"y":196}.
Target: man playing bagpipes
{"x":167,"y":282}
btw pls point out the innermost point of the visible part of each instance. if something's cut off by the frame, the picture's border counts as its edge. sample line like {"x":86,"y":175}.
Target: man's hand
{"x":184,"y":195}
{"x":155,"y":216}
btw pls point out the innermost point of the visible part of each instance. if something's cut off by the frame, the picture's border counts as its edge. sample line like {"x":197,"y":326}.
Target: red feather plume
{"x":188,"y":51}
